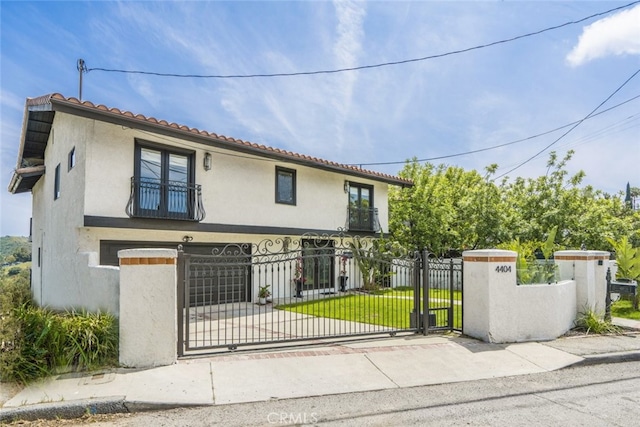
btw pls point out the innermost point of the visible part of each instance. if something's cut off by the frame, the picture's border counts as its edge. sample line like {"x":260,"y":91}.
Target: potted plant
{"x":343,"y":272}
{"x":263,"y":294}
{"x":298,"y":278}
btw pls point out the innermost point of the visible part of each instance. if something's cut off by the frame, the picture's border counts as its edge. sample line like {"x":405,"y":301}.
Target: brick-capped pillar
{"x":489,"y":286}
{"x":148,"y":327}
{"x":588,"y":269}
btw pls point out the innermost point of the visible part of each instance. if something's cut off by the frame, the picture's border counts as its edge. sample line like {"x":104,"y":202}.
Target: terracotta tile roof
{"x":57,"y":98}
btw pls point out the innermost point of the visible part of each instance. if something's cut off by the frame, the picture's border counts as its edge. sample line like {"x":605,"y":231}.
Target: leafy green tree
{"x":18,"y":248}
{"x":627,"y":258}
{"x":22,"y":254}
{"x":583,"y":216}
{"x":447,"y":208}
{"x":635,"y":197}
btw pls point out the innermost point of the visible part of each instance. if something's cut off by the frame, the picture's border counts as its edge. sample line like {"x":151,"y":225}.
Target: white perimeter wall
{"x":496,"y":309}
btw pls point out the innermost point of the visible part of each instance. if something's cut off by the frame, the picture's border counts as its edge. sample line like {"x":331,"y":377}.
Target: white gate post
{"x":588,"y":269}
{"x":489,"y":286}
{"x":148,"y":327}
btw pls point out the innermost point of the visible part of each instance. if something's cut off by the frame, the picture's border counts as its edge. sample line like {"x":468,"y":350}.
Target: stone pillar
{"x":588,"y":269}
{"x":489,"y":286}
{"x":148,"y":307}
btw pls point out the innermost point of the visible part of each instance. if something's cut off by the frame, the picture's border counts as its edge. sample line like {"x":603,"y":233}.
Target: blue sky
{"x":425,"y":109}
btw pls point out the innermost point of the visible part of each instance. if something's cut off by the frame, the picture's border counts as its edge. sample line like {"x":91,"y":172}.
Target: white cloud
{"x":347,"y":50}
{"x":618,"y":34}
{"x":11,"y":100}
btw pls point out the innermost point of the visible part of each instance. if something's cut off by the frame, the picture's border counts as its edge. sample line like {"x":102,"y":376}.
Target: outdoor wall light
{"x":207,"y":161}
{"x":346,"y":186}
{"x":187,"y":238}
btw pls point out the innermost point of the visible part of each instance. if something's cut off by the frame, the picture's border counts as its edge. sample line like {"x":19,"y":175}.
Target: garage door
{"x":209,"y":283}
{"x":219,"y":279}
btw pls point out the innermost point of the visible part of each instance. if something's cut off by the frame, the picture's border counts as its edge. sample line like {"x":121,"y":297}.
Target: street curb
{"x":601,"y":359}
{"x":79,"y":408}
{"x":72,"y":409}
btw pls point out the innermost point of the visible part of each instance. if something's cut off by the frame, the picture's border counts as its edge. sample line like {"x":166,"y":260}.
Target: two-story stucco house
{"x":104,"y":179}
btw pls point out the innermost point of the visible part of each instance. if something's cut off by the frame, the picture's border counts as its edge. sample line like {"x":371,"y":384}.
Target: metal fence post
{"x":451,"y":288}
{"x":180,"y":299}
{"x":607,"y":298}
{"x":461,"y":295}
{"x":425,"y":291}
{"x":416,"y":272}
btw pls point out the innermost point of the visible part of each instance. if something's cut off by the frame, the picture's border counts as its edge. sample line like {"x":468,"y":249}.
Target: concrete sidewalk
{"x":386,"y":363}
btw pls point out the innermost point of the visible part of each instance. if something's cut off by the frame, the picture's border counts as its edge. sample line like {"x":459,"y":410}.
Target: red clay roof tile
{"x":46,"y":99}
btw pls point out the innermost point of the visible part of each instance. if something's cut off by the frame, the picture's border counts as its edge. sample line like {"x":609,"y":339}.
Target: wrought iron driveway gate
{"x":310,"y":288}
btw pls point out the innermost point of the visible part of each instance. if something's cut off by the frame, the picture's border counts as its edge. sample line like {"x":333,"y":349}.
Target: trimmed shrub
{"x":36,"y":342}
{"x":14,"y":293}
{"x":589,"y":322}
{"x":51,"y":343}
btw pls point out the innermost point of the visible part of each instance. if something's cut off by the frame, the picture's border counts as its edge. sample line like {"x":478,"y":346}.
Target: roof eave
{"x":17,"y":183}
{"x":59,"y":103}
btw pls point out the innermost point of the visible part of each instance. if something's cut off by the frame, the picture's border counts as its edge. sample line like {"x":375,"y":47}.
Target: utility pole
{"x":81,"y":69}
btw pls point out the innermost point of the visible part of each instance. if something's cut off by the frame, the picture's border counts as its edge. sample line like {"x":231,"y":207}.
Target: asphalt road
{"x":595,"y":395}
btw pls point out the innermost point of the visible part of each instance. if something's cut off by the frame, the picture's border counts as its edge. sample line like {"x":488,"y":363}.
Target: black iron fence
{"x":308,"y":288}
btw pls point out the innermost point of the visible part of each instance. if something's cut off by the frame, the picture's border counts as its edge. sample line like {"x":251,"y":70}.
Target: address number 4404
{"x":503,"y":269}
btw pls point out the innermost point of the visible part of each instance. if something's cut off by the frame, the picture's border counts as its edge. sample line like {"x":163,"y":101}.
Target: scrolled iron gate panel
{"x":320,"y":286}
{"x":443,"y":292}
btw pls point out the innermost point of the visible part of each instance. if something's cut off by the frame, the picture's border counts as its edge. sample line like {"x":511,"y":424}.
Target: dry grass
{"x":95,"y":420}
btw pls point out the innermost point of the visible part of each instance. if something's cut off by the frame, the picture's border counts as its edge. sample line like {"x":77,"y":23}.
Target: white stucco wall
{"x":613,"y":266}
{"x":601,"y":265}
{"x":535,"y":312}
{"x":148,"y":307}
{"x":589,"y":269}
{"x":37,"y":240}
{"x":100,"y":285}
{"x":56,"y":222}
{"x":497,"y":310}
{"x":480,"y":284}
{"x":238,"y":190}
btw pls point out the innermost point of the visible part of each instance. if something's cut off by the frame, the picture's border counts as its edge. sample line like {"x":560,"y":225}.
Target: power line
{"x":573,"y":127}
{"x":618,"y":127}
{"x":493,"y":147}
{"x":363,"y":67}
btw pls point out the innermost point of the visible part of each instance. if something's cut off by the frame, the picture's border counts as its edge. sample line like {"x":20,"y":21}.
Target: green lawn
{"x":390,"y":308}
{"x":408,"y":293}
{"x":372,"y":309}
{"x":625,"y":310}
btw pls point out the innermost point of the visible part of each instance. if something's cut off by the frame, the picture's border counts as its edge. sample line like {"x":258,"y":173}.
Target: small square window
{"x":72,"y":158}
{"x":285,"y":186}
{"x":56,"y":183}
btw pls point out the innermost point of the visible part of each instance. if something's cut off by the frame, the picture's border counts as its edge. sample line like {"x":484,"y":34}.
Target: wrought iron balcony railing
{"x":156,"y":198}
{"x":362,"y":219}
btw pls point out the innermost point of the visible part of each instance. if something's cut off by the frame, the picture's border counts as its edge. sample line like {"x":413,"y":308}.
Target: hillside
{"x":14,"y":249}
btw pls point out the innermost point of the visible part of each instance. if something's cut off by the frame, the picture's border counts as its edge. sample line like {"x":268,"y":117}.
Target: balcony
{"x":161,"y":199}
{"x":362,"y":219}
